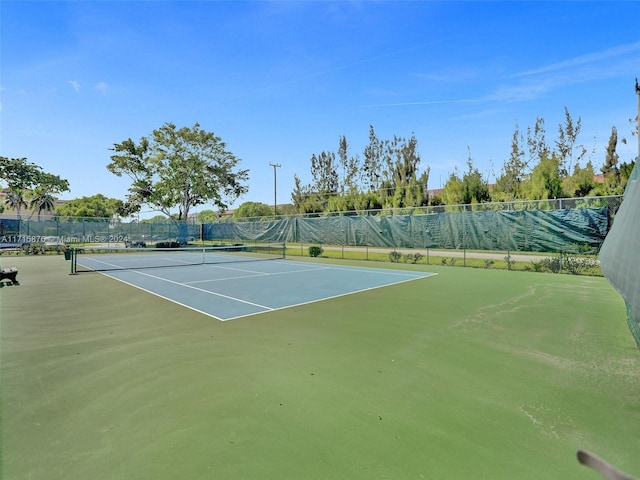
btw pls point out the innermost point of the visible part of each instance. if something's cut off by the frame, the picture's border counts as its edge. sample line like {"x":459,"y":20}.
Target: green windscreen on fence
{"x":95,"y":231}
{"x":620,"y":253}
{"x":571,"y":226}
{"x":571,"y":230}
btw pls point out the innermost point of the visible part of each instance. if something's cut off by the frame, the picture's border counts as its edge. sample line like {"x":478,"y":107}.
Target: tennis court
{"x":227,"y":284}
{"x":470,"y":373}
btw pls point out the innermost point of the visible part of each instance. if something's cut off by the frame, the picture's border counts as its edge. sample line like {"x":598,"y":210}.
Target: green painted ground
{"x":470,"y":374}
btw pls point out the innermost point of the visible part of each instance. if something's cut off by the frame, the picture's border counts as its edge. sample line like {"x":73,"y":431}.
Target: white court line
{"x":311,"y":268}
{"x":331,"y":297}
{"x":235,"y":269}
{"x":412,"y":276}
{"x":173,"y":300}
{"x":255,"y":274}
{"x":194,"y":288}
{"x":405,"y":273}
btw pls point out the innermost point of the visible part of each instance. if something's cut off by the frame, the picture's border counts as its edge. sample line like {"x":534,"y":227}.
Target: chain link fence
{"x":568,"y":224}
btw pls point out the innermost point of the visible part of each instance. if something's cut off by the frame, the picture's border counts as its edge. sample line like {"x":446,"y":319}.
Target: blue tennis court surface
{"x":233,"y":290}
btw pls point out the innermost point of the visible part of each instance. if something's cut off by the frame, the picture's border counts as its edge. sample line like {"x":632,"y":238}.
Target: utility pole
{"x":275,"y":189}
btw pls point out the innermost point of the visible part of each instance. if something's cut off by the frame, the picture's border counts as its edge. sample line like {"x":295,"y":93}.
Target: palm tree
{"x":42,"y":200}
{"x":15,"y":200}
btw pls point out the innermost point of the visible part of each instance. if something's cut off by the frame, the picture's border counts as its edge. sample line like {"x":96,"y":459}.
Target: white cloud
{"x":75,"y":85}
{"x":101,"y":87}
{"x":587,"y":59}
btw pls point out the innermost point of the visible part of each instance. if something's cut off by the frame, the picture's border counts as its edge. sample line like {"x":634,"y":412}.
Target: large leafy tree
{"x":96,"y":206}
{"x":208,"y":216}
{"x":25,"y":179}
{"x":253,"y":209}
{"x":178,"y":168}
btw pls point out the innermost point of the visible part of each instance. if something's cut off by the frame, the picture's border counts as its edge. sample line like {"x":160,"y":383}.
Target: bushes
{"x":412,"y":257}
{"x":33,"y":249}
{"x":315,"y":251}
{"x":577,"y":265}
{"x":396,"y":257}
{"x":573,"y":264}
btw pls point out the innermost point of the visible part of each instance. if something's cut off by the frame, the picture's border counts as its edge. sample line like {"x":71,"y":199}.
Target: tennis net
{"x":100,"y":259}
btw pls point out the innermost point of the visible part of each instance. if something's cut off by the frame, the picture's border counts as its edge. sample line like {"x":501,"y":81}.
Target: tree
{"x":581,"y":183}
{"x":423,"y":186}
{"x":306,"y":201}
{"x":155,"y":220}
{"x":15,"y":199}
{"x":42,"y":200}
{"x":371,"y":177}
{"x":349,"y":167}
{"x":325,"y":184}
{"x":536,"y":143}
{"x":324,"y":173}
{"x":287,"y":209}
{"x":96,"y":206}
{"x":399,"y":184}
{"x":180,"y":168}
{"x":41,"y":196}
{"x":625,"y":172}
{"x":253,"y":209}
{"x":298,"y":193}
{"x":566,"y":144}
{"x":545,"y":181}
{"x":207,"y":216}
{"x":475,"y":188}
{"x":18,"y":173}
{"x":402,"y":160}
{"x":471,"y":188}
{"x":610,"y":168}
{"x":26,"y":179}
{"x":453,"y":192}
{"x":507,"y":186}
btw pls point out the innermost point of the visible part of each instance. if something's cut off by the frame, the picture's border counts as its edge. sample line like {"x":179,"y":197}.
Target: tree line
{"x":182,"y":168}
{"x":387,"y":174}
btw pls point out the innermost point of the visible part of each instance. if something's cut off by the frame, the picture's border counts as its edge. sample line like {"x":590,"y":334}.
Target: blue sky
{"x":280,"y":81}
